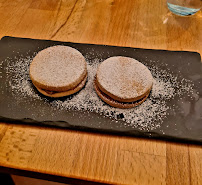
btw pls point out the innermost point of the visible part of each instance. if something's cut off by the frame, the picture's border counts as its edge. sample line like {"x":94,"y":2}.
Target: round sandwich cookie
{"x":123,"y":105}
{"x":123,"y":82}
{"x":58,"y":71}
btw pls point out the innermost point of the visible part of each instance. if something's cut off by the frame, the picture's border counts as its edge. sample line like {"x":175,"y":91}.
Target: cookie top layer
{"x":58,"y":68}
{"x":124,"y":79}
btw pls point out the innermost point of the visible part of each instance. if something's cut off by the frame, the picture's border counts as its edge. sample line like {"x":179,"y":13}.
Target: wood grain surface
{"x":88,"y":156}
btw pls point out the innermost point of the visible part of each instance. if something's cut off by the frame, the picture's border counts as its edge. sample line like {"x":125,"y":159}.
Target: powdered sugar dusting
{"x":142,"y":116}
{"x":148,"y":116}
{"x":20,"y":83}
{"x":1,"y":62}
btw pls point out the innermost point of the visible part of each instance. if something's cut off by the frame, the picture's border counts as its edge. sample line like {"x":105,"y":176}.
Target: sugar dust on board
{"x":148,"y":116}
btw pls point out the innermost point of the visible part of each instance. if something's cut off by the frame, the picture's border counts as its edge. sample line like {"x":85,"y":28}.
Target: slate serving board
{"x":176,"y":127}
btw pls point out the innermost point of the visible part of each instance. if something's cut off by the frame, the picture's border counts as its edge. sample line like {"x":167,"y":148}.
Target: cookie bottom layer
{"x":55,"y":94}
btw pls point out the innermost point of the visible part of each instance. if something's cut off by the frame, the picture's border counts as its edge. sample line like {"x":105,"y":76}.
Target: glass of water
{"x":184,"y":7}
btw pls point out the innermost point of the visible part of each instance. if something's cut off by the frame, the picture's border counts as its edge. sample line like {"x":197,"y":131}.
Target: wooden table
{"x":57,"y":153}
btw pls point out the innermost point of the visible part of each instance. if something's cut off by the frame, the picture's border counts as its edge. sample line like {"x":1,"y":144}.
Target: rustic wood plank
{"x":44,"y":5}
{"x":37,"y":26}
{"x":67,"y":17}
{"x":11,"y":15}
{"x":139,"y":168}
{"x":145,"y":146}
{"x":87,"y":156}
{"x":17,"y":145}
{"x":3,"y":129}
{"x":177,"y":164}
{"x":184,"y":33}
{"x":195,"y":154}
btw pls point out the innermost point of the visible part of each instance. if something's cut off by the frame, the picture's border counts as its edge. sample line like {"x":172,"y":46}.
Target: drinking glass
{"x":184,"y":7}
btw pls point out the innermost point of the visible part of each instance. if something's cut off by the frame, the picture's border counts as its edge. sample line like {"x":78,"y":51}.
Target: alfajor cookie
{"x":123,"y":82}
{"x":58,"y":71}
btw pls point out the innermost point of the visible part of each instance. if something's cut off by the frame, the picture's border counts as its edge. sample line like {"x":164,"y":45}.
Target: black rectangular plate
{"x":179,"y":126}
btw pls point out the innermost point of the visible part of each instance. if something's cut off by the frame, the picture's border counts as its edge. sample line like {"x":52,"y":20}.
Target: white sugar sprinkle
{"x":148,"y":116}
